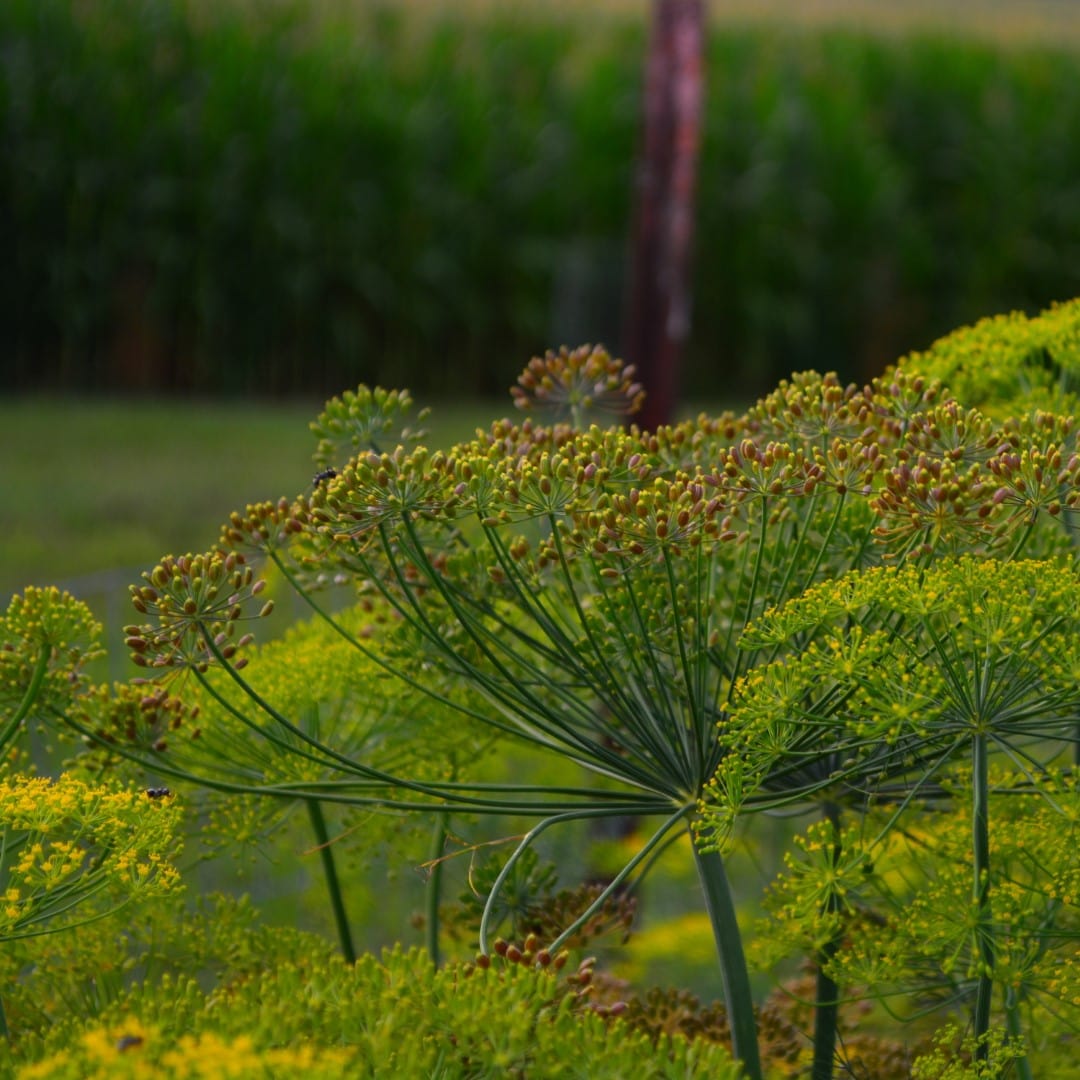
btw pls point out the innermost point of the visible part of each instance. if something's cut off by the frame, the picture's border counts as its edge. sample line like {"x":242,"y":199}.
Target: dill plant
{"x":598,"y":594}
{"x":71,"y":851}
{"x":902,"y":674}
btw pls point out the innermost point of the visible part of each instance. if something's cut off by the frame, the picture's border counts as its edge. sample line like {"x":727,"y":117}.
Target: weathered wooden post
{"x":657,"y":317}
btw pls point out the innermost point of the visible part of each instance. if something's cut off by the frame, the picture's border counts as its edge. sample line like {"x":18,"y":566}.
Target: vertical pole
{"x":657,"y":318}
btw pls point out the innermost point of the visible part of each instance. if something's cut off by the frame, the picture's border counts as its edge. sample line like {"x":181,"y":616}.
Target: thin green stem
{"x":523,"y":846}
{"x":736,"y":979}
{"x":433,"y":892}
{"x":506,"y":685}
{"x":755,"y":581}
{"x":654,"y":844}
{"x":984,"y":933}
{"x":333,"y":885}
{"x":424,"y":686}
{"x":696,"y":712}
{"x":28,"y":699}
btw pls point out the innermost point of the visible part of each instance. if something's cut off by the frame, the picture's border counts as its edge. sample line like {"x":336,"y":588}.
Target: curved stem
{"x":755,"y":581}
{"x":433,"y":892}
{"x":654,"y":843}
{"x":736,"y":979}
{"x":333,"y":885}
{"x":32,"y":691}
{"x":526,"y":843}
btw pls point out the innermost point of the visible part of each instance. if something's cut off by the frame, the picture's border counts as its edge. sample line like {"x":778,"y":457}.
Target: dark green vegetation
{"x":228,"y":202}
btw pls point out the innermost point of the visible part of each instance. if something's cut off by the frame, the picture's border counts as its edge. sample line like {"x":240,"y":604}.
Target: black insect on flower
{"x":159,"y":793}
{"x":128,"y":1042}
{"x":325,"y":474}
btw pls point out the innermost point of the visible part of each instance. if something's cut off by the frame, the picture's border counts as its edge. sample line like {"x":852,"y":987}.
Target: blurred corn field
{"x":292,"y":197}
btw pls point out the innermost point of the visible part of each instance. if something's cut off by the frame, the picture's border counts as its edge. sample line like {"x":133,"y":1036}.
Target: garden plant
{"x":852,"y":606}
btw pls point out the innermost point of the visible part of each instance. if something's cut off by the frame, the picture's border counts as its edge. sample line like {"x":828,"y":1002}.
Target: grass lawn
{"x":97,"y":485}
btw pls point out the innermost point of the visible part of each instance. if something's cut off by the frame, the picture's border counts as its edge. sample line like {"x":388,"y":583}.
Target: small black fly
{"x":326,"y":474}
{"x":128,"y":1042}
{"x":158,"y":792}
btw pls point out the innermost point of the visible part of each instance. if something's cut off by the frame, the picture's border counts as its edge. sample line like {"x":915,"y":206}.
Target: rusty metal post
{"x":657,"y":317}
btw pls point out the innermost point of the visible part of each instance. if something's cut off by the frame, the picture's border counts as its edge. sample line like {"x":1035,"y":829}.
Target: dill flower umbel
{"x":66,"y":841}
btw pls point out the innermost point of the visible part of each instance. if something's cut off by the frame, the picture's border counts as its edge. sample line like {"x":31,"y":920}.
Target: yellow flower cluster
{"x":132,"y":1051}
{"x":66,"y":841}
{"x":50,"y":628}
{"x":1009,"y":365}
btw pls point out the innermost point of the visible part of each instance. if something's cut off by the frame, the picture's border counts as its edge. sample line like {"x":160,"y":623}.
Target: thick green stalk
{"x":826,"y":1007}
{"x":737,"y":996}
{"x":1015,"y":1029}
{"x":433,"y":893}
{"x":333,"y":886}
{"x":984,"y":934}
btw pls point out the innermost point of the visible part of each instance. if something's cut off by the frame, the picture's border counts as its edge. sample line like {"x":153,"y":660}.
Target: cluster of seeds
{"x":139,"y":716}
{"x":573,"y":383}
{"x":196,"y":602}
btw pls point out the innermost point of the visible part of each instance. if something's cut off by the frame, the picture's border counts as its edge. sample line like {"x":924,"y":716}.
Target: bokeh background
{"x":292,"y":196}
{"x":216,"y":213}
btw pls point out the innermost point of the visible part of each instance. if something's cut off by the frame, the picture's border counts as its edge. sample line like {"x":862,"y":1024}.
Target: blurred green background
{"x":293,"y":196}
